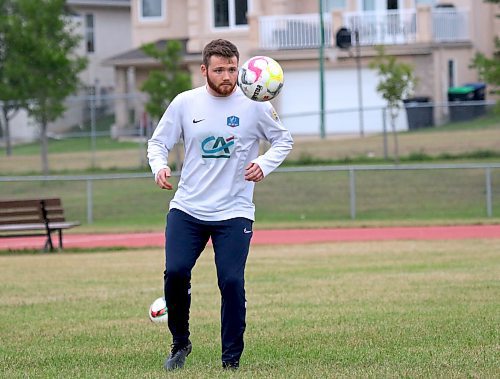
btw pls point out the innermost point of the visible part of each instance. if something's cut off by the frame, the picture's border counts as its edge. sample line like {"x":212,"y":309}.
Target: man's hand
{"x":162,"y":179}
{"x":253,"y":173}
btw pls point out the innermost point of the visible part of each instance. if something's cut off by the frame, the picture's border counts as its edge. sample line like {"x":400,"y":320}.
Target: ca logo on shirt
{"x":217,"y":147}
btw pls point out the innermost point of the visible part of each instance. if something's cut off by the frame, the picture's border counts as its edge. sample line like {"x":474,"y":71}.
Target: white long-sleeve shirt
{"x":221,"y":137}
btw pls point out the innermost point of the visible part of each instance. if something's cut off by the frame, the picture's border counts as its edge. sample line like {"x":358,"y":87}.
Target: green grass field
{"x":387,"y":309}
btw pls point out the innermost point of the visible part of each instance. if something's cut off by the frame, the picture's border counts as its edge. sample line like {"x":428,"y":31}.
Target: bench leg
{"x":60,"y":239}
{"x":48,"y":243}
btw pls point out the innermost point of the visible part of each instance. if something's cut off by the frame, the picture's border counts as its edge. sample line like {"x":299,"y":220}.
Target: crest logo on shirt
{"x":274,"y":115}
{"x":217,"y":147}
{"x":233,"y":121}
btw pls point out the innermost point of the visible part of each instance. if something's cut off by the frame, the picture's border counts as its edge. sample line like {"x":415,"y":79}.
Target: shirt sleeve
{"x":167,"y":133}
{"x":280,"y":138}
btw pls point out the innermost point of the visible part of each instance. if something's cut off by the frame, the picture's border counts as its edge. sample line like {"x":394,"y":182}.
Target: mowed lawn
{"x":385,"y":309}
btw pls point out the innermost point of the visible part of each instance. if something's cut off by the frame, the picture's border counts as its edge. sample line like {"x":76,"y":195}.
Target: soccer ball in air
{"x":158,"y":310}
{"x":260,"y":78}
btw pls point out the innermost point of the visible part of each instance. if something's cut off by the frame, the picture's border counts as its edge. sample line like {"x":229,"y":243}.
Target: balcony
{"x":301,"y":31}
{"x":450,"y":25}
{"x":409,"y":26}
{"x":383,"y":28}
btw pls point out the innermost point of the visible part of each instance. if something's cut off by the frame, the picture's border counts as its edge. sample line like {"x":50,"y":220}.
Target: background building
{"x":105,"y":30}
{"x":438,"y":39}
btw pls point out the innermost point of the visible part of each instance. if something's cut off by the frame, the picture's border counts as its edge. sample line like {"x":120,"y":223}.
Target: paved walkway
{"x":269,"y":237}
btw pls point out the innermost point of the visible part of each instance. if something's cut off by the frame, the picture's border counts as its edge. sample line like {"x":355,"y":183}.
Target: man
{"x":221,"y":129}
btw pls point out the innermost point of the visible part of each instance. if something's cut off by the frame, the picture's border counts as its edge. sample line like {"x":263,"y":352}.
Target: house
{"x":438,"y":39}
{"x":105,"y":29}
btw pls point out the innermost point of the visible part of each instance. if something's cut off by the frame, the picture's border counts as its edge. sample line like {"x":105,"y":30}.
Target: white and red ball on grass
{"x":260,"y":78}
{"x":158,"y":310}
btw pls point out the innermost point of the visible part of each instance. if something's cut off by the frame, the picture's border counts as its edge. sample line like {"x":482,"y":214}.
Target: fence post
{"x":352,"y":193}
{"x":93,"y":129}
{"x":90,"y":202}
{"x":489,"y":197}
{"x":384,"y":126}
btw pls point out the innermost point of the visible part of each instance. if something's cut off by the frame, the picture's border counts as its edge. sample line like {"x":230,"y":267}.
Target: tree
{"x":11,"y":74}
{"x":46,"y":36}
{"x":163,"y":85}
{"x":489,"y":68}
{"x":397,"y":81}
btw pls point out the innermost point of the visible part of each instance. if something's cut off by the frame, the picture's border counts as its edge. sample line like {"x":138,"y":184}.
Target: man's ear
{"x":203,"y":69}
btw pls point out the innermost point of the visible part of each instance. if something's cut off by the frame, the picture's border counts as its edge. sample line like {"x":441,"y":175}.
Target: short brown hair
{"x":220,"y":47}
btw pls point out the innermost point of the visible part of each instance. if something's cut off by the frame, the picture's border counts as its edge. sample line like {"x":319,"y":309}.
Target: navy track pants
{"x":186,"y":238}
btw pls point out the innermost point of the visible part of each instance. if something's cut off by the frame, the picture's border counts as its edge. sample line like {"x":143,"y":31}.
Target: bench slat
{"x":24,"y":212}
{"x":35,"y":226}
{"x":4,"y":204}
{"x":30,"y":220}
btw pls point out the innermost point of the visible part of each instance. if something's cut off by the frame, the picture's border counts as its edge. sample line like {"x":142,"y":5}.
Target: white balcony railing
{"x":449,"y":25}
{"x":383,"y":28}
{"x":300,"y":31}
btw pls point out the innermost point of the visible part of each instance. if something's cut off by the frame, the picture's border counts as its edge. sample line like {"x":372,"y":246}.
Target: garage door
{"x":299,"y":103}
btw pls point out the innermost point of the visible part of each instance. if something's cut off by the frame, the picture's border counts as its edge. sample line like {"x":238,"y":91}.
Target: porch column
{"x":424,"y":23}
{"x":121,"y":85}
{"x":337,"y":21}
{"x":279,"y":7}
{"x":253,"y":25}
{"x":352,"y":6}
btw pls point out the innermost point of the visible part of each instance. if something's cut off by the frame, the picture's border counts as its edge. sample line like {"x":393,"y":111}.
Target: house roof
{"x":137,"y":57}
{"x":100,"y":3}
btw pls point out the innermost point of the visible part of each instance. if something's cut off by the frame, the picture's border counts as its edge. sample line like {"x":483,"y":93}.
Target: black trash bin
{"x":420,"y":112}
{"x":479,"y":92}
{"x":479,"y":95}
{"x":457,"y":96}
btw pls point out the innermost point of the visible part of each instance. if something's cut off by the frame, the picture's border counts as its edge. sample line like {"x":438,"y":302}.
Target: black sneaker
{"x":230,"y":365}
{"x":177,"y":356}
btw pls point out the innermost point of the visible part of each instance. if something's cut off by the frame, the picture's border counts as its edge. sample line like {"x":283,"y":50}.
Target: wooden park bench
{"x":34,"y":217}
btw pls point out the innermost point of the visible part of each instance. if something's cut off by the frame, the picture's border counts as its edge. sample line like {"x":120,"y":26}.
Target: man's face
{"x":221,"y":74}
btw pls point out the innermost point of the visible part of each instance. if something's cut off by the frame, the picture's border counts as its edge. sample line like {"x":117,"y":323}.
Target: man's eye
{"x":218,"y":71}
{"x":233,"y":70}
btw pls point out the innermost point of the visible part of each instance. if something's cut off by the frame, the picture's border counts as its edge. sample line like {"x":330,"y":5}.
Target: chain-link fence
{"x":323,"y":193}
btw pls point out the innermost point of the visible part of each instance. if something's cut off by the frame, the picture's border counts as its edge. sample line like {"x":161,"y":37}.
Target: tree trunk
{"x":395,"y":135}
{"x":8,"y":143}
{"x":44,"y":148}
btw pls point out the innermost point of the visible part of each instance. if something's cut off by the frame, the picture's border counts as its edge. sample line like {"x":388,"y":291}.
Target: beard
{"x":224,"y":89}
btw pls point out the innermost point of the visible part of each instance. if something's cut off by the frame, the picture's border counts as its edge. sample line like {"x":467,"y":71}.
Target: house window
{"x":230,"y":13}
{"x":392,"y":4}
{"x":334,"y":4}
{"x":368,"y":5}
{"x":89,"y":33}
{"x":379,"y":5}
{"x":151,"y":10}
